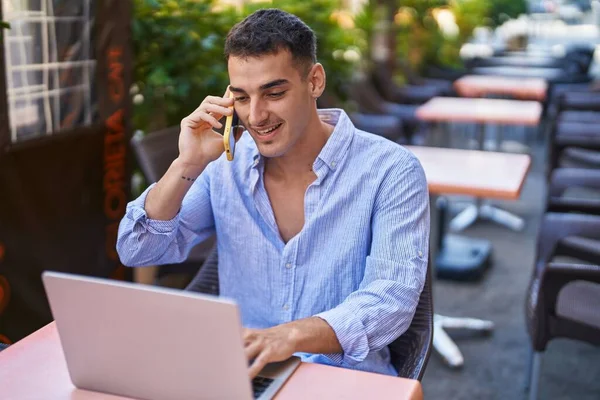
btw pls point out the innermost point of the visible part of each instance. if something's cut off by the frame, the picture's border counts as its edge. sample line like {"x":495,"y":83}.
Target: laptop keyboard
{"x":259,"y":385}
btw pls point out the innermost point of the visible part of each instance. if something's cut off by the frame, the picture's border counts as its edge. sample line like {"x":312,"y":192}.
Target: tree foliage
{"x":178,"y":49}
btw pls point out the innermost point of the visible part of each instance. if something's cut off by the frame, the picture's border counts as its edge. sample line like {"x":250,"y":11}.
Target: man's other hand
{"x":268,"y":345}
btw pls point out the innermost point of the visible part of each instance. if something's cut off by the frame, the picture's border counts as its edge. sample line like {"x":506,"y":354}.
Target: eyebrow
{"x":269,"y":85}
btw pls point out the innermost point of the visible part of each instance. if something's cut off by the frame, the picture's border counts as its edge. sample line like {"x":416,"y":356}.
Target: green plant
{"x":431,"y":32}
{"x":4,"y":25}
{"x":503,"y":10}
{"x":178,"y":48}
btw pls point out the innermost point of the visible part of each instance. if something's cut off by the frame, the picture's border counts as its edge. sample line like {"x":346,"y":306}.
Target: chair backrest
{"x":156,"y":151}
{"x":366,"y":97}
{"x":575,"y":236}
{"x":409,"y":353}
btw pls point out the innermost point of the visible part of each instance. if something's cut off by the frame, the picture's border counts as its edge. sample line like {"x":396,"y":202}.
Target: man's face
{"x":272,"y":100}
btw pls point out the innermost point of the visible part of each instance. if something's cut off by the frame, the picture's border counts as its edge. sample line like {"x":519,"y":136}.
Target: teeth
{"x":268,"y":130}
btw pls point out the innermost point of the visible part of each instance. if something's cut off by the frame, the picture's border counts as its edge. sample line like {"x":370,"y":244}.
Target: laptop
{"x":154,"y":343}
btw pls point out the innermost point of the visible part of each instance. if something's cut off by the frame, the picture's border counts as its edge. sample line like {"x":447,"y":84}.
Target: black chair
{"x":387,"y":126}
{"x":409,"y":353}
{"x":383,"y":82}
{"x":566,"y":135}
{"x":579,"y":100}
{"x":574,"y":157}
{"x":562,"y":297}
{"x":369,"y":101}
{"x":574,"y":63}
{"x":557,"y":90}
{"x":155,"y":152}
{"x":560,"y":199}
{"x":585,"y":117}
{"x":443,"y":80}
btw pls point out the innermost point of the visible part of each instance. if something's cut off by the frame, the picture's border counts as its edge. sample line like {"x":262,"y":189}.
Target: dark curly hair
{"x":270,"y":30}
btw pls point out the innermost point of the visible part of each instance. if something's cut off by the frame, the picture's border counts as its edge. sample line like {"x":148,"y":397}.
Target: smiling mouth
{"x":267,"y":132}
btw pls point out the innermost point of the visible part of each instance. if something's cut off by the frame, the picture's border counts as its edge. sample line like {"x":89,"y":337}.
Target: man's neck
{"x":299,"y":161}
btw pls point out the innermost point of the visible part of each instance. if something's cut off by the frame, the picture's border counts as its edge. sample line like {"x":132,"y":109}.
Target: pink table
{"x":34,"y":368}
{"x":519,"y":88}
{"x":481,"y":111}
{"x":472,"y":172}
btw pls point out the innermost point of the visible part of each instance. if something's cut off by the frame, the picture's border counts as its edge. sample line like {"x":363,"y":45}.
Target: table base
{"x":473,"y":212}
{"x":445,"y":346}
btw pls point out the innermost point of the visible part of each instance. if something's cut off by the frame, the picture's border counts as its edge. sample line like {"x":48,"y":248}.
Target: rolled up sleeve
{"x":144,"y":241}
{"x":383,"y":307}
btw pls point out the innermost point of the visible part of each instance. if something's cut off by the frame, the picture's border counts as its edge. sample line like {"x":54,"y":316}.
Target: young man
{"x":322,"y":229}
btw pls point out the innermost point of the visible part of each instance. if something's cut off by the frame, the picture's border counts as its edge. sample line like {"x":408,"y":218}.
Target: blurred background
{"x":92,"y":93}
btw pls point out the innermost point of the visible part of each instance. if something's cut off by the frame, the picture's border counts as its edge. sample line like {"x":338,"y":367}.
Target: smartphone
{"x":231,"y":124}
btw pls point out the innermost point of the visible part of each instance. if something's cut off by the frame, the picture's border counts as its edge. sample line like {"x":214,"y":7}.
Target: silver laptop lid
{"x":148,"y":342}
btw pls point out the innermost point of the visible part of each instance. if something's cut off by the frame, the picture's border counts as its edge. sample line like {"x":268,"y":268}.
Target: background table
{"x":476,"y":173}
{"x":34,"y":368}
{"x":519,"y":88}
{"x":481,"y":112}
{"x":473,"y":172}
{"x":549,"y":74}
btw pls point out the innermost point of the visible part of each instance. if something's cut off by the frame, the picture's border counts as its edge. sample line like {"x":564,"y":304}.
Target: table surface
{"x":521,"y":72}
{"x":520,"y":88}
{"x":484,"y":174}
{"x":35,"y":368}
{"x":499,"y":111}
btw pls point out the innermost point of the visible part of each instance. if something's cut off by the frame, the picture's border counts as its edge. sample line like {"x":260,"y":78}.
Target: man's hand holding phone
{"x":199,"y":142}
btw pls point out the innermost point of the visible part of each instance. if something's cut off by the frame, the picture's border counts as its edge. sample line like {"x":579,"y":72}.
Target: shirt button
{"x":420,"y":254}
{"x":256,"y":162}
{"x":286,"y":307}
{"x":333,"y":164}
{"x":288,"y":265}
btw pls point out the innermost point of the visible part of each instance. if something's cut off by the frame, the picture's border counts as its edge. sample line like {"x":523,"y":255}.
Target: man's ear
{"x":316,"y":80}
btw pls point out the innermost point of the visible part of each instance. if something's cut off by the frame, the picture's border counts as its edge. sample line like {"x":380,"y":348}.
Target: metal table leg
{"x":486,"y":211}
{"x":442,"y":343}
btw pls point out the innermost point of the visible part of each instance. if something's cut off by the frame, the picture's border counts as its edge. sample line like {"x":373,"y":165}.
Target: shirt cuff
{"x":137,"y":213}
{"x":350,"y":333}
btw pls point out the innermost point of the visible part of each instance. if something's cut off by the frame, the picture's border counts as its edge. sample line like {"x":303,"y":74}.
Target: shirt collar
{"x":337,"y":145}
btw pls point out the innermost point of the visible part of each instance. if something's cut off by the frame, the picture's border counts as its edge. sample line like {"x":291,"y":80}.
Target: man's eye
{"x":241,"y":98}
{"x":275,"y":95}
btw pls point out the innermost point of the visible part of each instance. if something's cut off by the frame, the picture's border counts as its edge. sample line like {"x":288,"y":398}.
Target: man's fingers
{"x":252,"y":348}
{"x":217,"y":111}
{"x":215,"y":107}
{"x":258,"y":364}
{"x":221,"y":101}
{"x":199,"y":116}
{"x":248,"y":335}
{"x":215,"y":100}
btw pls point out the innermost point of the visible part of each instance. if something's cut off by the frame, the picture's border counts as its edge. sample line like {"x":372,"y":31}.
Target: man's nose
{"x":258,"y":113}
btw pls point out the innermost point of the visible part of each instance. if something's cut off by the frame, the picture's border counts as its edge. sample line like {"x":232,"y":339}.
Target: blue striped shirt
{"x":359,"y":262}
